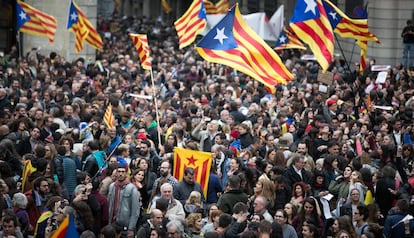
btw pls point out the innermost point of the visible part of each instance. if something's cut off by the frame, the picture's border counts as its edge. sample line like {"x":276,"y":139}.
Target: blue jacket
{"x":214,"y":186}
{"x":393,"y":229}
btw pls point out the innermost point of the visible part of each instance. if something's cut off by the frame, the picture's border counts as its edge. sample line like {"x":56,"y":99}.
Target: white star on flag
{"x":22,"y":15}
{"x":282,"y":39}
{"x":220,"y":35}
{"x":310,"y":6}
{"x":333,"y":15}
{"x":73,"y":16}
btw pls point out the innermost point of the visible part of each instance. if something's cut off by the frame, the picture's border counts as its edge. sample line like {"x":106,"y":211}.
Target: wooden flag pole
{"x":156,"y":107}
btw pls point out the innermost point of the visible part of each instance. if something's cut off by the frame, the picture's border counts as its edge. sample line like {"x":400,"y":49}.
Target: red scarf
{"x":118,"y":187}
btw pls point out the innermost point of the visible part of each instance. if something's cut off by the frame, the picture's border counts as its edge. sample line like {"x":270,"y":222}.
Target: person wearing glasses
{"x":123,"y":198}
{"x":360,"y":218}
{"x":288,"y":230}
{"x":350,"y":207}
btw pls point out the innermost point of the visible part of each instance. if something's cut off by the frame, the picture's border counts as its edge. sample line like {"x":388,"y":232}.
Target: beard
{"x":164,"y":174}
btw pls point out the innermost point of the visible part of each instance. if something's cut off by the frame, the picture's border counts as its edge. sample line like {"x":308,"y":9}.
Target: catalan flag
{"x":222,"y":7}
{"x":83,"y":29}
{"x":311,"y":24}
{"x":347,"y":27}
{"x":233,"y":43}
{"x":141,"y":44}
{"x":27,"y":170}
{"x":368,"y":102}
{"x":66,"y":229}
{"x":34,"y":22}
{"x":210,"y":7}
{"x":191,"y":23}
{"x":288,"y":40}
{"x":109,"y":117}
{"x":198,"y":160}
{"x":166,"y":7}
{"x":285,"y":125}
{"x":363,"y":44}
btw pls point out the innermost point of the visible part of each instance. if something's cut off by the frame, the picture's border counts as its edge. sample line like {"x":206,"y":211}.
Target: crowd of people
{"x":311,"y":160}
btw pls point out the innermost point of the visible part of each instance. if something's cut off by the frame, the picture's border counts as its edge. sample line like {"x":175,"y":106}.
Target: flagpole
{"x":156,"y":107}
{"x":122,"y":139}
{"x":352,"y":53}
{"x":342,"y":52}
{"x":20,"y":37}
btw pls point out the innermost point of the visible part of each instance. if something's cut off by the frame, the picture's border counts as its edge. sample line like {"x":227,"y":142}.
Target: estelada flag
{"x":28,"y":169}
{"x":198,"y":160}
{"x":66,"y":229}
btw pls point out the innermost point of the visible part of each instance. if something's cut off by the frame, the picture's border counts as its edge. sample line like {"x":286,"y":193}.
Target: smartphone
{"x":207,"y":119}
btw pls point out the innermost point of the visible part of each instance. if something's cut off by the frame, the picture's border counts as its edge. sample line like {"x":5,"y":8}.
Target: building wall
{"x":386,"y":19}
{"x":64,"y":43}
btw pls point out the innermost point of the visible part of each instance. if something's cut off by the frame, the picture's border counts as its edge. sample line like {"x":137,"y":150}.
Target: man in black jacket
{"x":183,"y":189}
{"x":296,"y":172}
{"x":154,"y":222}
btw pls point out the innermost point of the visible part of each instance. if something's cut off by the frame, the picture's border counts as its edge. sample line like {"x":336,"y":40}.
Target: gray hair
{"x":78,"y":189}
{"x":164,"y":185}
{"x":20,"y":200}
{"x":177,"y":224}
{"x":87,"y":234}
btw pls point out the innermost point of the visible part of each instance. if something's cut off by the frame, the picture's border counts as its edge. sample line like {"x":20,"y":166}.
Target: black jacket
{"x":292,"y":177}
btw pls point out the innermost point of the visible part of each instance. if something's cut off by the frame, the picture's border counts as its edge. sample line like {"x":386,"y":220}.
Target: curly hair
{"x":85,"y":214}
{"x":192,"y":219}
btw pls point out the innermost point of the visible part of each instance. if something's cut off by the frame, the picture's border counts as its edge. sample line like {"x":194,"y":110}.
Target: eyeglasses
{"x":355,"y":194}
{"x":121,"y":171}
{"x":172,"y":233}
{"x":279,"y":216}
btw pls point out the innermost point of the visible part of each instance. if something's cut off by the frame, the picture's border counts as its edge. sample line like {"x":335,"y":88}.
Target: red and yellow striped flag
{"x":66,"y":229}
{"x":222,"y":7}
{"x":198,"y":160}
{"x":369,"y":102}
{"x":109,"y":117}
{"x":141,"y":44}
{"x":83,"y":29}
{"x":28,"y":169}
{"x":189,"y":25}
{"x":209,"y":6}
{"x":34,"y":22}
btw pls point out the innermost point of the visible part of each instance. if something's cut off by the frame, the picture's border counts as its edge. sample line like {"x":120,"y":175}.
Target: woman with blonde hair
{"x":264,"y":187}
{"x":194,"y":225}
{"x":193,"y":203}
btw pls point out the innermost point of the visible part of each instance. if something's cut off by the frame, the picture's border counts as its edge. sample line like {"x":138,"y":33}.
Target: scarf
{"x":118,"y":187}
{"x":39,"y":200}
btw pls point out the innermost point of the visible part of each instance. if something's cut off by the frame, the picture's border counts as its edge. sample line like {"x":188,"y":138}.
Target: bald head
{"x":156,"y":217}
